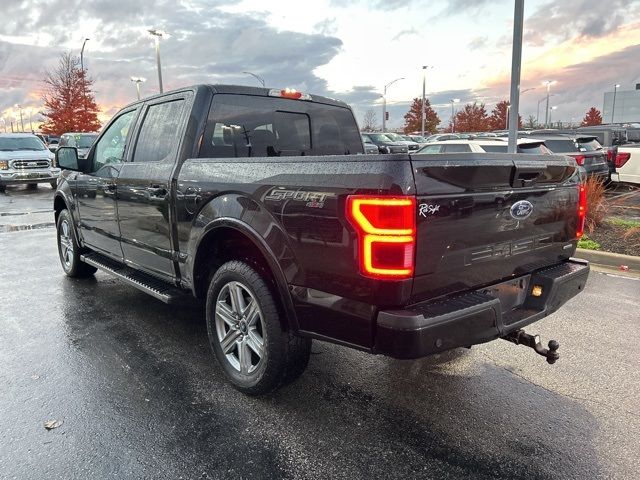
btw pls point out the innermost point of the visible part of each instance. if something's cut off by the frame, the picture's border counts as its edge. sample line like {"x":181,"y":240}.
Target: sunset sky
{"x":344,"y":49}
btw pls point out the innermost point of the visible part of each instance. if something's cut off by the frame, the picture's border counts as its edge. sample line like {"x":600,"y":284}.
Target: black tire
{"x":54,"y":184}
{"x":68,"y":249}
{"x":3,"y":188}
{"x":32,"y":186}
{"x":284,"y":356}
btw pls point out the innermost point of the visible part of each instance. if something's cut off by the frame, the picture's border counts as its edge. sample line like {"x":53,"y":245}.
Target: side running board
{"x":147,"y":283}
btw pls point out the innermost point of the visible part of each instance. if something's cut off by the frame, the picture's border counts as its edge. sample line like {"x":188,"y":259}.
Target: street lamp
{"x":548,"y":83}
{"x":138,"y":81}
{"x":84,"y":94}
{"x":453,"y":114}
{"x":551,"y":110}
{"x":19,"y":107}
{"x":82,"y":54}
{"x":538,"y":109}
{"x":384,"y":103}
{"x":158,"y":34}
{"x":257,"y":77}
{"x":424,"y":107}
{"x":613,"y":109}
{"x":508,"y":108}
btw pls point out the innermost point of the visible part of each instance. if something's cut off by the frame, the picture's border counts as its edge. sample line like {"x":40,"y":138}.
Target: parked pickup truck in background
{"x":262,"y":203}
{"x":24,"y":159}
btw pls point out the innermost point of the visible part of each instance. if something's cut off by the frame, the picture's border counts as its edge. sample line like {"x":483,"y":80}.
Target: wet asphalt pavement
{"x":140,"y":396}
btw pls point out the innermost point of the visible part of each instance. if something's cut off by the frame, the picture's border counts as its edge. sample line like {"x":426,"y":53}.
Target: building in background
{"x":627,"y":108}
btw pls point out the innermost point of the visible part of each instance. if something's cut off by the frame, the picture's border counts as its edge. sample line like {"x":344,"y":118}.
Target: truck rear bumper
{"x":478,"y":316}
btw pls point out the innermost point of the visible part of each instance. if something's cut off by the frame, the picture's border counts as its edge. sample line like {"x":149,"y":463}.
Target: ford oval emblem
{"x":521,"y":210}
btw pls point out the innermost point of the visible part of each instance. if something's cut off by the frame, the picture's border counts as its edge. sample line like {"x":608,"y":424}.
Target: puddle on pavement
{"x":12,"y":214}
{"x":17,"y":228}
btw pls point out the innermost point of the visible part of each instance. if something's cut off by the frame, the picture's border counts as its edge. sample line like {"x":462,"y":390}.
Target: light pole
{"x":424,"y":98}
{"x":257,"y":77}
{"x":19,"y":107}
{"x":548,"y":83}
{"x":84,"y":93}
{"x":82,"y":54}
{"x":384,"y":103}
{"x":138,"y":81}
{"x":30,"y":123}
{"x":4,"y":122}
{"x":613,"y":109}
{"x":551,"y":110}
{"x":158,"y":34}
{"x":516,"y":67}
{"x":453,"y":114}
{"x":508,"y":108}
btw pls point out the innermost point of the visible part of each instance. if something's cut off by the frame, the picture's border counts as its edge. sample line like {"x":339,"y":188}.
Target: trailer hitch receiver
{"x":520,"y":337}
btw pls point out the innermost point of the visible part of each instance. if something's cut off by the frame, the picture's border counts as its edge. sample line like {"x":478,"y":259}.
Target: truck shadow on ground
{"x":351,"y":415}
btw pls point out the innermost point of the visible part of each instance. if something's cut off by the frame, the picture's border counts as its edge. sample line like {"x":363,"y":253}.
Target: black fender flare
{"x":280,"y":279}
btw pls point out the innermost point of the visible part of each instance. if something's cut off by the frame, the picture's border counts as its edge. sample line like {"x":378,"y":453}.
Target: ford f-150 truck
{"x":24,"y":159}
{"x":263,"y":203}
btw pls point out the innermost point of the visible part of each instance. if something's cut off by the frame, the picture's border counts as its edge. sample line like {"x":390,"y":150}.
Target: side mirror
{"x":67,"y":158}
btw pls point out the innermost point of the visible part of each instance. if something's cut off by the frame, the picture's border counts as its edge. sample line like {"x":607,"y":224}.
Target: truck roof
{"x":242,"y":90}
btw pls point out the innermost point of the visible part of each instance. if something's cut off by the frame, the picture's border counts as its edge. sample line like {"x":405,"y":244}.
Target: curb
{"x":609,"y":259}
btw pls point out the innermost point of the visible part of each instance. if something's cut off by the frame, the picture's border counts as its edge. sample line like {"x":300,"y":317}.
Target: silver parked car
{"x":24,"y":159}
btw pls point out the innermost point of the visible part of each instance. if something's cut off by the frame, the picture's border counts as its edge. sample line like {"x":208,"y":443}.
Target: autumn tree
{"x":370,"y":121}
{"x":413,"y":118}
{"x":499,"y":117}
{"x":593,"y":117}
{"x":472,"y":118}
{"x":69,"y":103}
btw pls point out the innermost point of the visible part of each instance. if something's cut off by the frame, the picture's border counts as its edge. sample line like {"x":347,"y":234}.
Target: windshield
{"x":589,"y":145}
{"x":395,"y":137}
{"x":536,"y":148}
{"x":8,"y":144}
{"x":417,"y":138}
{"x":85,"y":141}
{"x":379,"y":137}
{"x":565,"y":145}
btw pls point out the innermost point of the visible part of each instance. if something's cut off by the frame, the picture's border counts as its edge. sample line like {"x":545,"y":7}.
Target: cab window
{"x":110,"y":148}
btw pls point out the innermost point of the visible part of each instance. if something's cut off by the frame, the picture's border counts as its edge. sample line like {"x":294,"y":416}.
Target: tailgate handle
{"x":526,"y":176}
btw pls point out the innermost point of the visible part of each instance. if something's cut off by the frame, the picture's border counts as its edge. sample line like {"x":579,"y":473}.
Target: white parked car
{"x":629,"y":172}
{"x":486,"y":145}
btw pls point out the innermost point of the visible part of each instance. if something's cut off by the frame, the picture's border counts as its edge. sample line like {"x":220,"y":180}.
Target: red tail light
{"x":622,"y":158}
{"x":291,"y":93}
{"x":582,"y":210}
{"x":579,"y":159}
{"x":386,"y":229}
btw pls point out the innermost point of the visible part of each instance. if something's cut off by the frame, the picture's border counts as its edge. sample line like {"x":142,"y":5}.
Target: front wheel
{"x":243,"y":324}
{"x":69,"y":250}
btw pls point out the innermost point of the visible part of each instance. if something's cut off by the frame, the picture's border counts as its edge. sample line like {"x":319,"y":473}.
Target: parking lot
{"x":139,"y":396}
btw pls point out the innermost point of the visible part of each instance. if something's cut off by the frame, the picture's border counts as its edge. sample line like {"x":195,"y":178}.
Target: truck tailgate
{"x":487,"y":217}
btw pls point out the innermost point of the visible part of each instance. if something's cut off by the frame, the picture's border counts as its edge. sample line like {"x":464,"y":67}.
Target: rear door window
{"x":456,"y":148}
{"x":159,"y":134}
{"x":533,"y":148}
{"x":565,"y":145}
{"x":494,"y":148}
{"x":253,"y":126}
{"x":431,"y":149}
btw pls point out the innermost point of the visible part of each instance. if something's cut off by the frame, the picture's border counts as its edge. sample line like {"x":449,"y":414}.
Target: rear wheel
{"x":32,"y":186}
{"x":243,"y":323}
{"x":69,"y":250}
{"x":3,"y":188}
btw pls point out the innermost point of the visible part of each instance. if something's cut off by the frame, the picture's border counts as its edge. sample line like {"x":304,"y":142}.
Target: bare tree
{"x":369,"y":121}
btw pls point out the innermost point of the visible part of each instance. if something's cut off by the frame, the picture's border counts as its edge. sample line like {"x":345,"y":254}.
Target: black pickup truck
{"x":262,"y":203}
